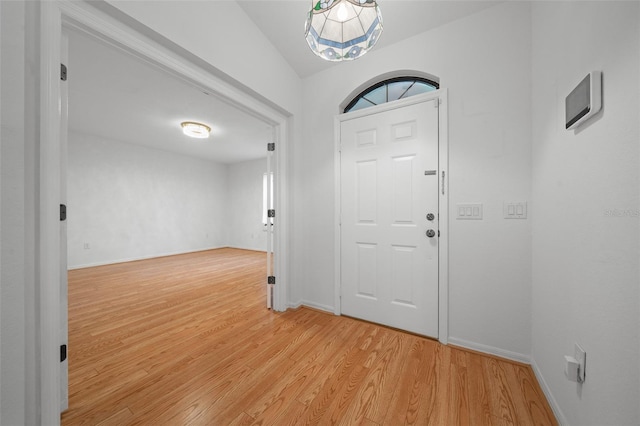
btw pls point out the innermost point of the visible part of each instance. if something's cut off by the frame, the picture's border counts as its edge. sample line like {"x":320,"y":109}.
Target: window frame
{"x":387,"y":82}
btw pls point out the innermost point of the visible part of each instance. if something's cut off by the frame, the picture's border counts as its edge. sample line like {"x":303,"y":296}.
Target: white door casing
{"x":64,"y":305}
{"x":389,"y":183}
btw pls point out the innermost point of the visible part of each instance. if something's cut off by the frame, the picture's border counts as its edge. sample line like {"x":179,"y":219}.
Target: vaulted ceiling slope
{"x":120,"y":97}
{"x":282,"y":23}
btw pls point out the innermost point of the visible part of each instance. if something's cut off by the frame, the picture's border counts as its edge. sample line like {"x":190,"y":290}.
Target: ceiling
{"x":117,"y":96}
{"x":282,"y":23}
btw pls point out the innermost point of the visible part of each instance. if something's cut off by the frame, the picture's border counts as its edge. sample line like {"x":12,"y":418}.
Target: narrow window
{"x":265,"y":199}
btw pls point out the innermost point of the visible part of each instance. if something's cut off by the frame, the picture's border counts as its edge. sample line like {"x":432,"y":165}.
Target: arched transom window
{"x":391,"y":90}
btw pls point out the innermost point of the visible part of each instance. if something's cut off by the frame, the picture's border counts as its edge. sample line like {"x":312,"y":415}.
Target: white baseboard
{"x":294,"y":305}
{"x":133,"y":259}
{"x":547,"y":392}
{"x":318,"y":306}
{"x":248,"y":248}
{"x":490,"y":350}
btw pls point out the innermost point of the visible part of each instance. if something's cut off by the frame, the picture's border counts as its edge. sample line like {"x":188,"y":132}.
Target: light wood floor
{"x":186,"y":340}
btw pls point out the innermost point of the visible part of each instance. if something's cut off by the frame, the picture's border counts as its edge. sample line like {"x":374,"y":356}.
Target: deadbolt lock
{"x":430,"y":216}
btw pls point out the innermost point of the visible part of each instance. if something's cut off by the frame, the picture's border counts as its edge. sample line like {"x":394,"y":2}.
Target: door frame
{"x":54,"y":16}
{"x":443,"y":199}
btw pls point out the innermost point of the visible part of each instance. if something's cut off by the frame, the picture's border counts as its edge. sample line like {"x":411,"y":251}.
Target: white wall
{"x":131,"y":202}
{"x":223,"y":35}
{"x":12,"y":297}
{"x":484,"y":61}
{"x":245,"y":205}
{"x":18,"y":83}
{"x":585,"y":215}
{"x":220,"y":33}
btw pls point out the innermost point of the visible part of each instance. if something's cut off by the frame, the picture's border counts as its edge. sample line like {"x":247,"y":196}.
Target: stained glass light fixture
{"x":341,"y":30}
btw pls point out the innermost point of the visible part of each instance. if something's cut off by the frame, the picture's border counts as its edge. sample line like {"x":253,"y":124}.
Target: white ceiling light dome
{"x":195,"y":130}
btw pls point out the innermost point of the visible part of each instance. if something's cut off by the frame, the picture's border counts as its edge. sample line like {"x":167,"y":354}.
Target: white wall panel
{"x":245,"y":228}
{"x":366,"y":191}
{"x":366,"y":138}
{"x":402,"y":181}
{"x":367,"y":279}
{"x":130,"y":202}
{"x":586,"y":187}
{"x":403,"y":274}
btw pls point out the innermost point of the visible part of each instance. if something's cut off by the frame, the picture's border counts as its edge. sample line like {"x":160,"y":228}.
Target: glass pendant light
{"x":342,"y":30}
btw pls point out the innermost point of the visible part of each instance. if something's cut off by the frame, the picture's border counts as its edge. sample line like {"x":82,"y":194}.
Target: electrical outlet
{"x":581,"y":357}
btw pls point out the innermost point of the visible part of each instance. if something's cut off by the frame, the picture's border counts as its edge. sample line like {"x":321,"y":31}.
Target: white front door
{"x":389,"y":217}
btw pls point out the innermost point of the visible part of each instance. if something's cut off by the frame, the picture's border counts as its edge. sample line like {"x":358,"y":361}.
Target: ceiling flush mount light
{"x":195,"y":130}
{"x":342,"y":30}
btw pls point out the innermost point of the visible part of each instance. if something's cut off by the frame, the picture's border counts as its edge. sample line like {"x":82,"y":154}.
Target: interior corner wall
{"x":484,"y":61}
{"x":128,"y":202}
{"x":586,"y":211}
{"x":246,"y":230}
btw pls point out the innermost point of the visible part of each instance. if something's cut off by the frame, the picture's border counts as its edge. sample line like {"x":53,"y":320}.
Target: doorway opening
{"x":392,"y":213}
{"x":84,"y":18}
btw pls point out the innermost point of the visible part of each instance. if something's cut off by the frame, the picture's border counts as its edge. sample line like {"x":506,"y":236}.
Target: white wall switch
{"x":469,"y":211}
{"x":581,"y":357}
{"x":515,"y":210}
{"x":571,"y":368}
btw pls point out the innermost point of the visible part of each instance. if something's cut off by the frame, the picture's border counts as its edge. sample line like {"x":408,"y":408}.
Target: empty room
{"x":392,"y":212}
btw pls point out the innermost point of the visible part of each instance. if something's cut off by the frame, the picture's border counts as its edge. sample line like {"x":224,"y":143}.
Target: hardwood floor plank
{"x":533,"y":398}
{"x":502,"y":406}
{"x":438,"y":387}
{"x":121,"y":417}
{"x":458,"y":391}
{"x":479,"y":404}
{"x":187,"y":340}
{"x":384,"y":366}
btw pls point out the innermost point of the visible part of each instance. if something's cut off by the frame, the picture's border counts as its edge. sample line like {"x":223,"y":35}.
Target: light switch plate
{"x":515,"y":210}
{"x":469,"y":211}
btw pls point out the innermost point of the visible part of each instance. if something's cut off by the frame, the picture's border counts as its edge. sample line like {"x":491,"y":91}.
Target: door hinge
{"x":271,"y":279}
{"x":63,"y":353}
{"x":63,"y":212}
{"x":271,"y":146}
{"x":63,"y":72}
{"x":271,"y":213}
